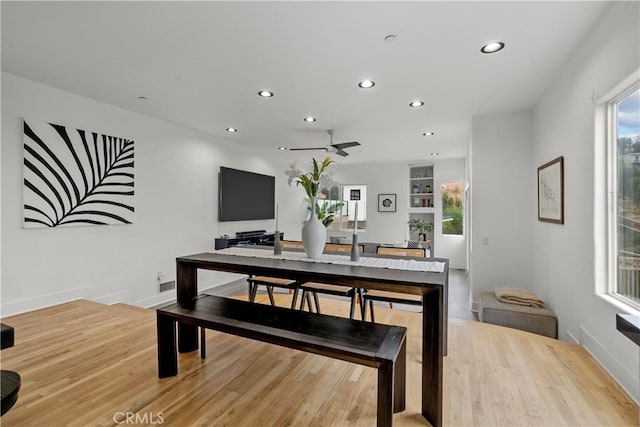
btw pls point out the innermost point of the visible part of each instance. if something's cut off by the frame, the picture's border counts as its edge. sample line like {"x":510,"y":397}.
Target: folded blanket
{"x":518,"y":296}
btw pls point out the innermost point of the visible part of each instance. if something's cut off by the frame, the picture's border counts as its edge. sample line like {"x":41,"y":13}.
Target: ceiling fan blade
{"x":344,"y":145}
{"x":342,"y":153}
{"x":304,"y":149}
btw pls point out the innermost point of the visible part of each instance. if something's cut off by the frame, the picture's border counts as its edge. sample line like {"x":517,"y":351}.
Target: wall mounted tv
{"x":245,"y":196}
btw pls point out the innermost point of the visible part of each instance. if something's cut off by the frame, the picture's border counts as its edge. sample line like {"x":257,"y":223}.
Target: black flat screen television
{"x":245,"y":196}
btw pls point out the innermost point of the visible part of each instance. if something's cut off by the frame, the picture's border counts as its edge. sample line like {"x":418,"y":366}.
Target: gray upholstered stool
{"x":540,"y":321}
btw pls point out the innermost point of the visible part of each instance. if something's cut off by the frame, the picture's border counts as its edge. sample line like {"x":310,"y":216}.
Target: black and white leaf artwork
{"x":74,"y":177}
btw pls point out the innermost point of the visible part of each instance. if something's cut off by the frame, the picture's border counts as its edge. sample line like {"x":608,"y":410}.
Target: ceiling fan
{"x":331,"y":148}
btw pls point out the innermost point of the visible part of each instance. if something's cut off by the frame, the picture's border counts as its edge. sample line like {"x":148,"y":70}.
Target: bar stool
{"x":9,"y":381}
{"x":270,"y":283}
{"x":313,"y":288}
{"x":392,"y":297}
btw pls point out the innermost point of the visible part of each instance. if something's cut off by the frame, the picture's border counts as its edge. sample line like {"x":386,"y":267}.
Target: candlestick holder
{"x":277,"y":246}
{"x":355,"y":253}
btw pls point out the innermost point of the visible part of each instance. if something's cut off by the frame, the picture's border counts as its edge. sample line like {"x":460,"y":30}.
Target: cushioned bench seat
{"x":540,"y":321}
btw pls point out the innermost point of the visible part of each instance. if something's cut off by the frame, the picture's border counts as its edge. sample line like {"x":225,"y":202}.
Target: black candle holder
{"x":355,"y":253}
{"x":277,"y":246}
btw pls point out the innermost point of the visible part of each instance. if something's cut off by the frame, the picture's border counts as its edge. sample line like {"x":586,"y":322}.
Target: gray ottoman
{"x":540,"y":321}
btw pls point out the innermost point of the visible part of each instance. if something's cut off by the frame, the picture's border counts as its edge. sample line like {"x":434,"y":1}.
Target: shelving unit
{"x":421,"y":187}
{"x":422,"y":200}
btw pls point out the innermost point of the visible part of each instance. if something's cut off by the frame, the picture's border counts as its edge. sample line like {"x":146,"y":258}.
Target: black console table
{"x":244,"y":238}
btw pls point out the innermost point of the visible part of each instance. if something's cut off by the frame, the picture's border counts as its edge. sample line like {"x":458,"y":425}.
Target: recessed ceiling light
{"x":390,"y":38}
{"x":434,"y":154}
{"x":492,"y":47}
{"x":309,"y":119}
{"x":416,"y":104}
{"x":265,"y":94}
{"x":143,"y":98}
{"x":282,"y":148}
{"x":232,"y":130}
{"x":366,"y":84}
{"x":428,"y":134}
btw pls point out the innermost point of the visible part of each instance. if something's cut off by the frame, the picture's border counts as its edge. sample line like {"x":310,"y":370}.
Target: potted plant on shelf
{"x":421,"y":226}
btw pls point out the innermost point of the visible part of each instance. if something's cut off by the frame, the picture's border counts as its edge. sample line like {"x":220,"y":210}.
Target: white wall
{"x":391,"y":227}
{"x":502,"y":201}
{"x":380,"y":178}
{"x":563,"y":255}
{"x":176,"y":191}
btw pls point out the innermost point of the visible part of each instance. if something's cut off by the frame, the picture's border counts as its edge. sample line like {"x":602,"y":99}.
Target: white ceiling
{"x":201,"y":65}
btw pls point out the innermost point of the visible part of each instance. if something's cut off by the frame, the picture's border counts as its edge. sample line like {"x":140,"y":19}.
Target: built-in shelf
{"x":422,"y":210}
{"x":421,"y":201}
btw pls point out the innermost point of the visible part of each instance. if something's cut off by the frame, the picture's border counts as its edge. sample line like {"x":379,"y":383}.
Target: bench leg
{"x":385,"y":395}
{"x":373,"y":319}
{"x":399,"y":380}
{"x":167,"y":351}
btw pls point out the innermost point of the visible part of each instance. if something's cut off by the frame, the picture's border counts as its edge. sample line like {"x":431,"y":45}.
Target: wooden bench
{"x":375,"y":345}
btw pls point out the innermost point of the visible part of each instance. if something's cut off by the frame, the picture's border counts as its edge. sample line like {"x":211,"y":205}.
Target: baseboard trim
{"x":170,"y":296}
{"x":625,"y":378}
{"x":114,"y":298}
{"x":30,"y":304}
{"x":572,"y":338}
{"x":155,"y":300}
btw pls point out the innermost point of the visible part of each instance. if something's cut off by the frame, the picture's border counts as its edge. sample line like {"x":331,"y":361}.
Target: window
{"x":624,"y":200}
{"x":452,"y":210}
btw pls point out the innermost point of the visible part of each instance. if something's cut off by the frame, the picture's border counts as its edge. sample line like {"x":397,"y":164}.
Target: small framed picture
{"x":551,"y":191}
{"x":354,"y":195}
{"x":386,"y":202}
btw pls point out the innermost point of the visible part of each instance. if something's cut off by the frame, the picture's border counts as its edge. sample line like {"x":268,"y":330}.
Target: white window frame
{"x":612,"y":194}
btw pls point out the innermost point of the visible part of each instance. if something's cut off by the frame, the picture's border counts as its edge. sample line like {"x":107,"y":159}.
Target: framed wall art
{"x":74,"y":177}
{"x":551,"y":191}
{"x":386,"y":202}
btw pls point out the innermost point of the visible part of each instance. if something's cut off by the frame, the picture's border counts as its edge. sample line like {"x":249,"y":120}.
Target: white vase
{"x":314,"y":234}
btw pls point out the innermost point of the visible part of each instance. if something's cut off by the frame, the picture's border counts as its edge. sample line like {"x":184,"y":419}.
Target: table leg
{"x":167,"y":354}
{"x":187,"y":289}
{"x":432,"y":355}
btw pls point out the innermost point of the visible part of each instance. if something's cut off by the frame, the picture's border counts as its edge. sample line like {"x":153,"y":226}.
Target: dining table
{"x":427,"y":277}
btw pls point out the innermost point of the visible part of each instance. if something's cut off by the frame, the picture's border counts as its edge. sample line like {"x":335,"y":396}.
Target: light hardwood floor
{"x":84,"y":363}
